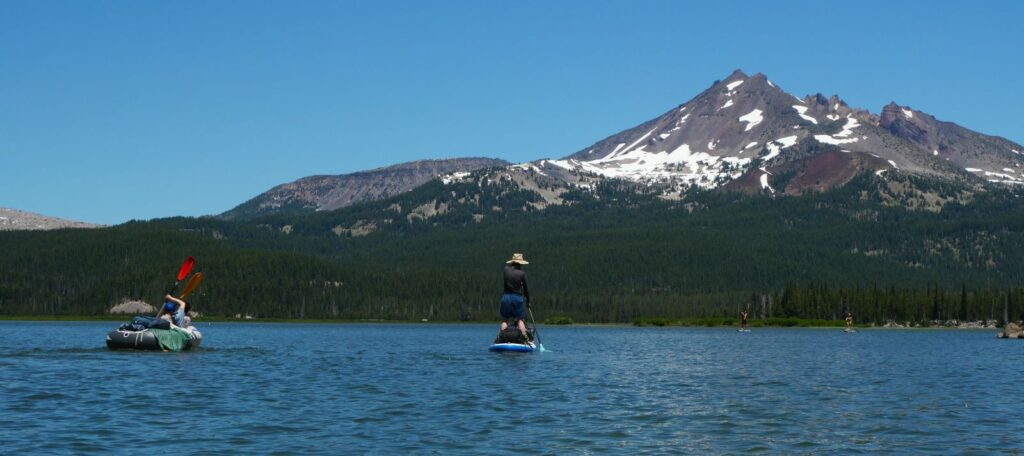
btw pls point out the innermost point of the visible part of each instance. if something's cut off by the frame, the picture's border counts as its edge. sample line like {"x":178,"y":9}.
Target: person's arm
{"x":175,"y":300}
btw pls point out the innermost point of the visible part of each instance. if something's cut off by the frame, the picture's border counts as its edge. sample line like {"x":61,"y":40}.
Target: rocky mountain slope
{"x":14,"y":220}
{"x":745,"y":133}
{"x":324,"y":193}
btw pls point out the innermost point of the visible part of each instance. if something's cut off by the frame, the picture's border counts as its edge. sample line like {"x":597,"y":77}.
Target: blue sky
{"x":118,"y":110}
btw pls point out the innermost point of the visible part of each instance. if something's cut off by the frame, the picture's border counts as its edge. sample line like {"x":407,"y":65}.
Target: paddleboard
{"x":508,"y":347}
{"x":743,"y":330}
{"x":849,"y":330}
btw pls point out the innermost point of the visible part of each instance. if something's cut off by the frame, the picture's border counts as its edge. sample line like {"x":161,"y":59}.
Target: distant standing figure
{"x":516,"y":294}
{"x":743,"y":316}
{"x":849,"y":320}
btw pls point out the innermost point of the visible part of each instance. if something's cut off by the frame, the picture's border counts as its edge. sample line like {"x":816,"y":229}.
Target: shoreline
{"x":679,"y":324}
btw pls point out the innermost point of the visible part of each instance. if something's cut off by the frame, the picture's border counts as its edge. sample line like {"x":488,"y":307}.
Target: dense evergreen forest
{"x":609,"y":256}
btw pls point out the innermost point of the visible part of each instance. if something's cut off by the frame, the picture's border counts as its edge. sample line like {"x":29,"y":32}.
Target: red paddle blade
{"x":186,"y":268}
{"x":192,"y":284}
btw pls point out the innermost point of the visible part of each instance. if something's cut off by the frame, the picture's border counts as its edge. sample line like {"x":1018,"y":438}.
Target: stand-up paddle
{"x":536,"y":331}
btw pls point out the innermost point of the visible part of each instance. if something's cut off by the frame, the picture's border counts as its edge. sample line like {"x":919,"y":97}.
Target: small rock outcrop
{"x":1012,"y":331}
{"x":131,"y":307}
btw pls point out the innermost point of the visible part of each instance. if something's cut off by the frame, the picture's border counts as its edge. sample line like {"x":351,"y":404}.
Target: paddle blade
{"x":192,"y":284}
{"x":186,"y":268}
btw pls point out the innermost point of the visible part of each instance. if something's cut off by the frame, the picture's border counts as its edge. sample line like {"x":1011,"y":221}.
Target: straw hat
{"x":517,"y":258}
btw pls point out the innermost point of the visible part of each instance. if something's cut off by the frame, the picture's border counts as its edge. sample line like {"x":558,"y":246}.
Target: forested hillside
{"x":609,"y":256}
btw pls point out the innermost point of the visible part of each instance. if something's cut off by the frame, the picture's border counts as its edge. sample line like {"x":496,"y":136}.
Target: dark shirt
{"x":515,"y":281}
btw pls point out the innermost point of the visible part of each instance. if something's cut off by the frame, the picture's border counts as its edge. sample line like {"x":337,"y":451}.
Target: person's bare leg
{"x":504,"y":325}
{"x":522,"y":328}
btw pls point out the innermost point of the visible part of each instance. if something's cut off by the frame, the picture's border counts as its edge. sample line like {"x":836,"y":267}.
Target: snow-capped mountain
{"x":743,"y":129}
{"x":743,"y":133}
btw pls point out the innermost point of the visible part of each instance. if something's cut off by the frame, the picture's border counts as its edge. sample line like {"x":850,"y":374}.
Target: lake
{"x":434,"y":388}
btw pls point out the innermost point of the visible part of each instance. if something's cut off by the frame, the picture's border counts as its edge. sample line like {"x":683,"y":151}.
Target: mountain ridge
{"x":18,"y":220}
{"x":331,"y":192}
{"x":743,"y":133}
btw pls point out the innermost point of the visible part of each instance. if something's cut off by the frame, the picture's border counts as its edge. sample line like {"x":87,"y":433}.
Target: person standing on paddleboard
{"x":743,"y":318}
{"x":849,"y":321}
{"x":517,"y":295}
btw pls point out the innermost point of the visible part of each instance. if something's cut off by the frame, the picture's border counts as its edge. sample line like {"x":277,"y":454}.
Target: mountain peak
{"x":744,"y":123}
{"x":737,"y":73}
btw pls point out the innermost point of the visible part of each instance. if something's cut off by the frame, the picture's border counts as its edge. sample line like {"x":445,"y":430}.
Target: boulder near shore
{"x":131,"y":307}
{"x":1012,"y":331}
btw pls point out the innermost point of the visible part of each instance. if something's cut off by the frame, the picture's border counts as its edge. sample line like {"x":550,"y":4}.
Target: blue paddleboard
{"x":512,"y":347}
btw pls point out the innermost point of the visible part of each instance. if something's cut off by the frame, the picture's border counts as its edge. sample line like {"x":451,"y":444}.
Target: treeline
{"x":85,"y":272}
{"x":613,"y":256}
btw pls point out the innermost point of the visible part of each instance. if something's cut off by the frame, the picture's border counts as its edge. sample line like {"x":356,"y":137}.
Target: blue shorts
{"x":512,"y":306}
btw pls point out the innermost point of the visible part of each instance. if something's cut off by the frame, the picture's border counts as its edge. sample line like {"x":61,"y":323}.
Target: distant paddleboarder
{"x":743,"y":317}
{"x":516,"y":296}
{"x":849,"y":321}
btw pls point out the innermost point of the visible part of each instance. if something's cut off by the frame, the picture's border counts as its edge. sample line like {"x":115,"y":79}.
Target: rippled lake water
{"x":378,"y":388}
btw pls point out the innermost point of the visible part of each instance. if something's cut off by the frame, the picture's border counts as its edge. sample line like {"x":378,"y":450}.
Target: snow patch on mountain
{"x":733,"y":85}
{"x":1001,"y":175}
{"x":908,"y":113}
{"x":764,"y":181}
{"x":752,"y":118}
{"x":642,"y":138}
{"x":841,"y":137}
{"x":802,"y":110}
{"x":452,"y":178}
{"x":727,"y":104}
{"x":775,"y":147}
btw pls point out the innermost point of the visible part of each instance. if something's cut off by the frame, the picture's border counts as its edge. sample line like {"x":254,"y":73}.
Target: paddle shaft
{"x":536,"y":331}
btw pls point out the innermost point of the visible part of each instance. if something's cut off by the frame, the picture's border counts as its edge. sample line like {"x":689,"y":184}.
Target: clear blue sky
{"x":118,"y":110}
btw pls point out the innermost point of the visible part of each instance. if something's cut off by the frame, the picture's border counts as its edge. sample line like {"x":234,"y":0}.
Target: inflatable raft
{"x":145,"y":340}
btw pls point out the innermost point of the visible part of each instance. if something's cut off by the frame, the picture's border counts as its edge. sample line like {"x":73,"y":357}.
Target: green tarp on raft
{"x":172,"y":339}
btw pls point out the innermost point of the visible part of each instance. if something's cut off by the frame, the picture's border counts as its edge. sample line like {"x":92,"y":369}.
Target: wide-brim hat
{"x":517,"y":258}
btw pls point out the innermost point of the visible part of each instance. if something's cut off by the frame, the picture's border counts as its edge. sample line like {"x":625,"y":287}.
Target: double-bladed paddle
{"x":186,"y":268}
{"x":192,"y":284}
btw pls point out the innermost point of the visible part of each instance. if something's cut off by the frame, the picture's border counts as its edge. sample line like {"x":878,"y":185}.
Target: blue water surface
{"x":434,"y":388}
